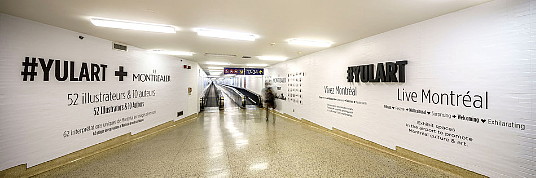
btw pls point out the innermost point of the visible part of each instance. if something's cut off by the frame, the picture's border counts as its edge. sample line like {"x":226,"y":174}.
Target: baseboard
{"x":285,"y":116}
{"x":420,"y":158}
{"x":22,"y":171}
{"x":399,"y":151}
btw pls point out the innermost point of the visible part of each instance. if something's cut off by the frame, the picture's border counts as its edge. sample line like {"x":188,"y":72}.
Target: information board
{"x":253,"y":71}
{"x":237,"y":71}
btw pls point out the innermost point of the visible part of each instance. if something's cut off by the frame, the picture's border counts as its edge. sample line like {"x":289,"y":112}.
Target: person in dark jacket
{"x":269,"y":100}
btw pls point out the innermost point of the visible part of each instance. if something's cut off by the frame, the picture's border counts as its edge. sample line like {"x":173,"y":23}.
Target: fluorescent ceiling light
{"x":257,"y":65}
{"x":272,"y":58}
{"x":219,"y":55}
{"x":131,"y":25}
{"x":225,"y":34}
{"x":306,"y":42}
{"x":176,"y":53}
{"x":217,"y":63}
{"x":213,"y":76}
{"x":215,"y":67}
{"x":215,"y":73}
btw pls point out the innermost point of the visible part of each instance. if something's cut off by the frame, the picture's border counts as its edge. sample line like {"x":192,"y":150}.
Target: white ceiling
{"x":340,"y":21}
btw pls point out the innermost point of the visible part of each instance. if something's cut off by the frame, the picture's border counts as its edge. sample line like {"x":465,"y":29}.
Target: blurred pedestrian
{"x":269,"y":100}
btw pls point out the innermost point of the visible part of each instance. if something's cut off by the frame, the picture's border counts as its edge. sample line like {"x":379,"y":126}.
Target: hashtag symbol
{"x":29,"y":65}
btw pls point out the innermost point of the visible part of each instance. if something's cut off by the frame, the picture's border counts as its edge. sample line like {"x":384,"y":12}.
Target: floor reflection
{"x":240,"y":143}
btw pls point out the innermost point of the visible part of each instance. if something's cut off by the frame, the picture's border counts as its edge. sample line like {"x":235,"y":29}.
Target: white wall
{"x":230,"y":81}
{"x":254,"y":83}
{"x":36,"y":117}
{"x":488,"y":48}
{"x":203,"y":83}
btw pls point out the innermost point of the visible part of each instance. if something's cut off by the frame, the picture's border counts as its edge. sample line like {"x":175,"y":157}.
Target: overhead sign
{"x":252,"y":71}
{"x":243,"y":71}
{"x":237,"y":71}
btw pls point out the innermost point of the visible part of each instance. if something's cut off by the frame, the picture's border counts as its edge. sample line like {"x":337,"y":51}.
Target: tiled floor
{"x":240,"y":143}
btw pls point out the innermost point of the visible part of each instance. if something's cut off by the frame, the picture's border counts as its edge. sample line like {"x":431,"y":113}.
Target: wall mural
{"x":61,"y":93}
{"x":295,"y":87}
{"x":445,"y":88}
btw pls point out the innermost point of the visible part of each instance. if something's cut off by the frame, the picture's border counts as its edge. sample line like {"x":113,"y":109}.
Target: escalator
{"x":212,"y":97}
{"x":249,"y":97}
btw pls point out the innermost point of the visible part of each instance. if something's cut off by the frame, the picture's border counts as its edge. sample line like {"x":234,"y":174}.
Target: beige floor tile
{"x":240,"y":143}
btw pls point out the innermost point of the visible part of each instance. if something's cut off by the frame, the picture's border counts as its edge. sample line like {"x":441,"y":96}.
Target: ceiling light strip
{"x":226,"y":34}
{"x":175,"y":53}
{"x":217,"y":63}
{"x":131,"y":25}
{"x":219,"y":55}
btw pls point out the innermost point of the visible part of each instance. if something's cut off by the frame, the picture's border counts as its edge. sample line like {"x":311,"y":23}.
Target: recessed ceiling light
{"x":307,"y":42}
{"x":225,"y":34}
{"x":257,"y":65}
{"x":217,"y":63}
{"x":215,"y":67}
{"x":131,"y":25}
{"x":272,"y":58}
{"x":176,"y":53}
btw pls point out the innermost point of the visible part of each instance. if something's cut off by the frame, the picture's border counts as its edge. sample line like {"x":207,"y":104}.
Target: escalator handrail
{"x":258,"y":95}
{"x":205,"y":90}
{"x":235,"y":90}
{"x":235,"y":95}
{"x":218,"y":96}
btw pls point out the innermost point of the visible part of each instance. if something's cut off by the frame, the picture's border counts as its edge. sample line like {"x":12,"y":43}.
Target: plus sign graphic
{"x":120,"y":73}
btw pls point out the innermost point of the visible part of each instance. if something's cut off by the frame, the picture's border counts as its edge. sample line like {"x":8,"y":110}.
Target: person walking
{"x":269,"y":100}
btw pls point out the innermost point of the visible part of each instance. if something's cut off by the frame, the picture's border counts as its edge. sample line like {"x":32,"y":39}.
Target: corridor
{"x":240,"y":143}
